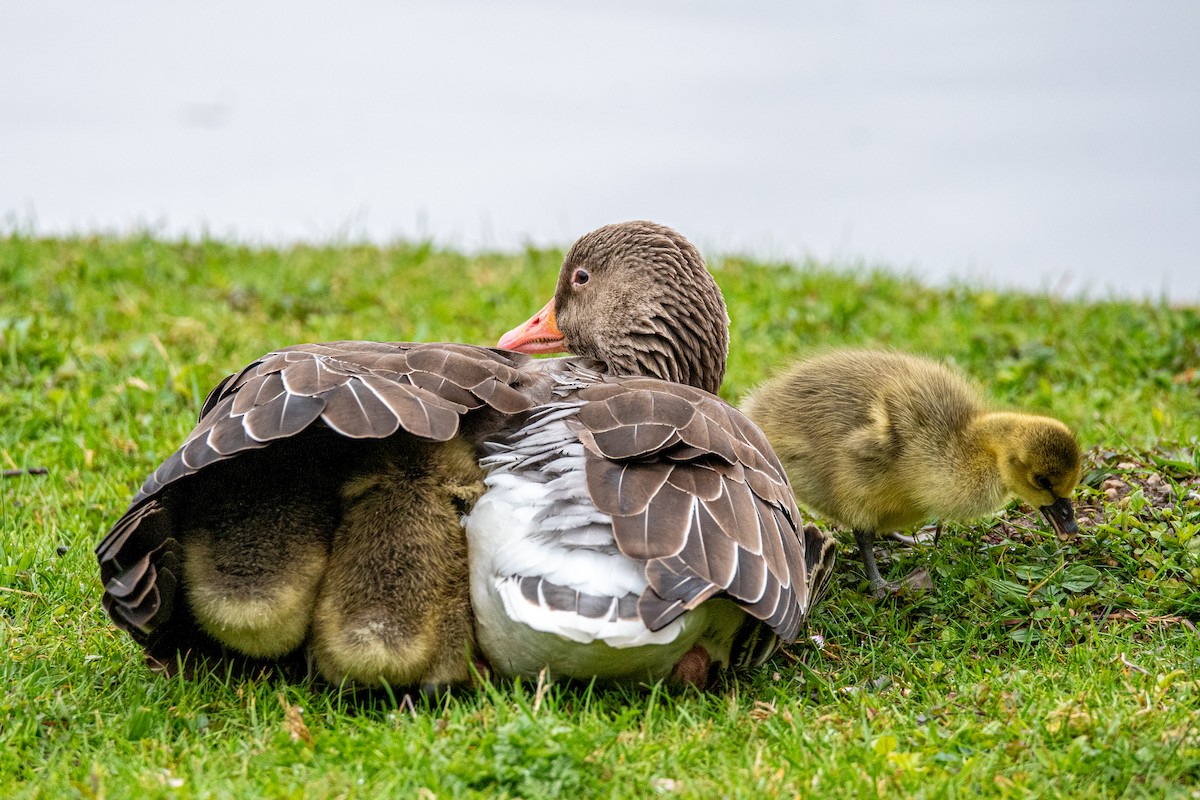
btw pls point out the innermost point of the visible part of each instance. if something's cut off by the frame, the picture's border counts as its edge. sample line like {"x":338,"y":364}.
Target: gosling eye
{"x":1043,"y":481}
{"x":580,"y":277}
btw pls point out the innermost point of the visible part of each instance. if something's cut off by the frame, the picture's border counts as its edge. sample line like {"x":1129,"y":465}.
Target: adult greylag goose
{"x":879,"y":441}
{"x":624,"y":522}
{"x":636,"y":527}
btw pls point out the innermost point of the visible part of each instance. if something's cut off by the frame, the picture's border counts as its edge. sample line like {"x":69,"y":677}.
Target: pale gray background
{"x":1050,"y":145}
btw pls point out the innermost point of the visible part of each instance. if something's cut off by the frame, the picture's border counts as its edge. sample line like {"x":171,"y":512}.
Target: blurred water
{"x":1044,"y":145}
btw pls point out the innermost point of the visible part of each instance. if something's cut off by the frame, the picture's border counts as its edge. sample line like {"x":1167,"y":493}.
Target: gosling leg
{"x":866,"y":551}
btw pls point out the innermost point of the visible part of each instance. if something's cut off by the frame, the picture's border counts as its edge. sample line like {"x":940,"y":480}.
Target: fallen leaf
{"x":293,"y":722}
{"x":762,"y":710}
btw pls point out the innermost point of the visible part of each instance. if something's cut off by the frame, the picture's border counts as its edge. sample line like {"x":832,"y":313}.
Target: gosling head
{"x":1040,"y":463}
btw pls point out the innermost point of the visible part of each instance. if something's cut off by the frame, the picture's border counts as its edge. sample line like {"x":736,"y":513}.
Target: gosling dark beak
{"x":1061,"y":516}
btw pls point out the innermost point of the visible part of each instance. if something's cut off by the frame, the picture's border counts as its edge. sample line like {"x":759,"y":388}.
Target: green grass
{"x":1035,"y":667}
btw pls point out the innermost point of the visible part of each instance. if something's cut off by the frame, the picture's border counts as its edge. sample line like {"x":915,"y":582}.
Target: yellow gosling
{"x":878,"y":441}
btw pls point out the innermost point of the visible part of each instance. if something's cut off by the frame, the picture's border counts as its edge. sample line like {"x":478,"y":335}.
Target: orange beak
{"x":538,"y":334}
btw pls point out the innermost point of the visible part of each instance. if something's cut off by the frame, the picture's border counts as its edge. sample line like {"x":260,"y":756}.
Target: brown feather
{"x":632,"y":485}
{"x":660,"y":531}
{"x":707,"y":551}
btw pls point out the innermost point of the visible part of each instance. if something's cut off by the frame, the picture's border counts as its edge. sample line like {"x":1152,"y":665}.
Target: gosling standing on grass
{"x":880,"y":441}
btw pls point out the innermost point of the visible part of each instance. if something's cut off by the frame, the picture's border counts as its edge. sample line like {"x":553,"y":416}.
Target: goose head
{"x":637,"y":297}
{"x":1040,"y":463}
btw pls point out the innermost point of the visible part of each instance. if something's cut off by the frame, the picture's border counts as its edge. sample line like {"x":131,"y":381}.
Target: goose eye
{"x":1042,"y":481}
{"x":580,"y":277}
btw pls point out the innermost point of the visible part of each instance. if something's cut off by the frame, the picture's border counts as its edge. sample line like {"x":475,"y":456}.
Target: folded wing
{"x":696,"y":492}
{"x":337,"y":390}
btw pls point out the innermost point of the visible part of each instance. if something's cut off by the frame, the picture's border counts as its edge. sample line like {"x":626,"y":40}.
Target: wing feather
{"x":695,"y":491}
{"x":626,"y":486}
{"x":283,"y":416}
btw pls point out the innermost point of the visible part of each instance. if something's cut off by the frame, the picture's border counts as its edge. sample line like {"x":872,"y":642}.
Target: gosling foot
{"x":915,"y":582}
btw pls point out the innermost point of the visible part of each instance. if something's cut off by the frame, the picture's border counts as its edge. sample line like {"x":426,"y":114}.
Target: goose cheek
{"x":1061,"y":516}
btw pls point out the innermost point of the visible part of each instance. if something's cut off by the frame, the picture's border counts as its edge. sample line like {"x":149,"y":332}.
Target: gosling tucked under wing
{"x":879,"y":441}
{"x":282,"y":517}
{"x":318,"y":500}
